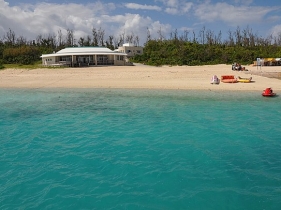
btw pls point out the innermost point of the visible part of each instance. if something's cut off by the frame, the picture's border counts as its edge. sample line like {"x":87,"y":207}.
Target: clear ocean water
{"x":139,"y":149}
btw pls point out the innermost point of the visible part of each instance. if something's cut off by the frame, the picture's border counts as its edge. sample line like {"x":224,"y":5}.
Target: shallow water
{"x":139,"y":149}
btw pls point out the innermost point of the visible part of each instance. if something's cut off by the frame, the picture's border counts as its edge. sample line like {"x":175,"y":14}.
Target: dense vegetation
{"x":19,"y":50}
{"x":177,"y":52}
{"x":187,"y":48}
{"x":242,"y":46}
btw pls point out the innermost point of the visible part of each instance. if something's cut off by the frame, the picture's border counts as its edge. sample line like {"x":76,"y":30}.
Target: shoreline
{"x":141,"y":77}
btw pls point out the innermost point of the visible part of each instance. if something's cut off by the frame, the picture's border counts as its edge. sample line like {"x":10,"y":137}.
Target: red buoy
{"x":268,"y":92}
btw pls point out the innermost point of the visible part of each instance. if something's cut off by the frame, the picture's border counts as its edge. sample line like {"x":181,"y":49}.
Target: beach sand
{"x":141,"y":76}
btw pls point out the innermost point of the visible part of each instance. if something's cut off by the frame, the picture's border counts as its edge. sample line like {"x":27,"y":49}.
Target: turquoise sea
{"x":139,"y":149}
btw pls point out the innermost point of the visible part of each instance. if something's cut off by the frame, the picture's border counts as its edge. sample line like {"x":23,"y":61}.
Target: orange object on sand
{"x":228,"y":79}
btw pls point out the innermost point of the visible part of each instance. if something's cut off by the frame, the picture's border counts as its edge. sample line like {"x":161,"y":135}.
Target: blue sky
{"x":30,"y":18}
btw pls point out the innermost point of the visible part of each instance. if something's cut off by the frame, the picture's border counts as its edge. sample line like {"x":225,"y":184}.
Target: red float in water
{"x":268,"y":93}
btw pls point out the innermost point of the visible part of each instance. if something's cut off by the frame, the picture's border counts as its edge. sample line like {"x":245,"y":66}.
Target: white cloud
{"x":30,"y":21}
{"x":276,"y":31}
{"x":274,"y":18}
{"x":172,"y":3}
{"x":140,"y":6}
{"x":177,"y":7}
{"x":137,"y":25}
{"x":156,"y":27}
{"x":243,"y":2}
{"x":172,"y":11}
{"x":186,"y":7}
{"x":186,"y":29}
{"x":232,"y":15}
{"x":46,"y":18}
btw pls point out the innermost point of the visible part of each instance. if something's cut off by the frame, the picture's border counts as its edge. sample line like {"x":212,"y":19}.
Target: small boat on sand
{"x":268,"y":93}
{"x":245,"y":80}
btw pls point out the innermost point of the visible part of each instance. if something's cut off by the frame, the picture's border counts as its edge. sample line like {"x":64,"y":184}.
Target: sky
{"x":30,"y":18}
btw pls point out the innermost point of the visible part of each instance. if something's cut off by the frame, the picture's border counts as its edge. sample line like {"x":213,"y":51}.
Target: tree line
{"x":185,"y":48}
{"x":206,"y":47}
{"x":19,"y":50}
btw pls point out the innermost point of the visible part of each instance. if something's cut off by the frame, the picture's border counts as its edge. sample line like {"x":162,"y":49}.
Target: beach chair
{"x":215,"y":80}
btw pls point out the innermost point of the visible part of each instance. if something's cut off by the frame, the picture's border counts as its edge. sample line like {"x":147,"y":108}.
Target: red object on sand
{"x":228,"y":79}
{"x":268,"y":93}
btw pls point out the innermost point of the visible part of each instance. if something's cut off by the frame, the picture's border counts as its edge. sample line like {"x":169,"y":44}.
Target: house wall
{"x":119,"y":63}
{"x":85,"y":60}
{"x":48,"y":61}
{"x":131,"y":50}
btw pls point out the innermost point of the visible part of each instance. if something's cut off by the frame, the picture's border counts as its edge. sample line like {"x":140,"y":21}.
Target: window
{"x":120,"y":57}
{"x":65,"y":58}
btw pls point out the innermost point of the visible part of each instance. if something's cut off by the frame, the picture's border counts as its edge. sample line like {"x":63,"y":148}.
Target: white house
{"x":130,"y":49}
{"x":84,"y":56}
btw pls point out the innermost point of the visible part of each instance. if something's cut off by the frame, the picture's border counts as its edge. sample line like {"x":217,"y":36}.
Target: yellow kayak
{"x":245,"y":80}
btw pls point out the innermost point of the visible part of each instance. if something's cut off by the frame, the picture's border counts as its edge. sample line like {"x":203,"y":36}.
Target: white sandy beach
{"x":139,"y":76}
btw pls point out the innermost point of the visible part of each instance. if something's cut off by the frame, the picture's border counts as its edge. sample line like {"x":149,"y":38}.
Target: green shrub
{"x":1,"y":65}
